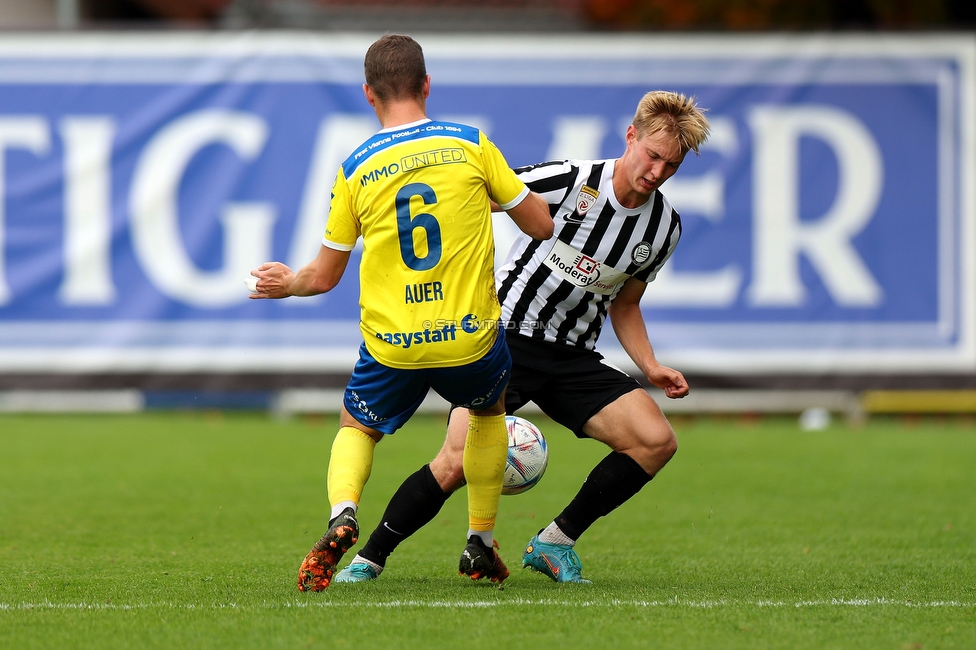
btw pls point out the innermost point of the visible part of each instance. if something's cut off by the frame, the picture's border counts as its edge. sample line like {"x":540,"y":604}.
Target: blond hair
{"x":662,"y":110}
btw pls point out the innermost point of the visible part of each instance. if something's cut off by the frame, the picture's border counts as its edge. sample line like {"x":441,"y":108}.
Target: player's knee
{"x":668,"y":446}
{"x":657,"y":448}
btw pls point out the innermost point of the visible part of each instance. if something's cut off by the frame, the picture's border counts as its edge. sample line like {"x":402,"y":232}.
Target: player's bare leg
{"x":447,"y":466}
{"x":634,"y":425}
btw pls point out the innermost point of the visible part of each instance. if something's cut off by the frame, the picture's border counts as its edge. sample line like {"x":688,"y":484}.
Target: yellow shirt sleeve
{"x":504,"y":187}
{"x":342,"y":229}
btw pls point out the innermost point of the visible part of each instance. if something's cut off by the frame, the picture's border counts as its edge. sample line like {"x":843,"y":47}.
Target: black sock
{"x":615,"y":479}
{"x":416,"y":502}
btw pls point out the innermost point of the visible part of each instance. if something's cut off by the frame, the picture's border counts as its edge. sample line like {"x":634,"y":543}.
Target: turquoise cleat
{"x":558,"y":561}
{"x":357,"y":572}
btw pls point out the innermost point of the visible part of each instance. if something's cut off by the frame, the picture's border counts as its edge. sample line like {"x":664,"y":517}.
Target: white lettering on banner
{"x":29,"y":132}
{"x":337,"y":136}
{"x":155,"y":224}
{"x":779,"y":236}
{"x":578,"y":136}
{"x":703,"y":195}
{"x":87,"y":211}
{"x":583,"y":271}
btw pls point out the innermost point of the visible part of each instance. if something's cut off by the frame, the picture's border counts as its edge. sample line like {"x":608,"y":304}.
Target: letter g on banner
{"x":155,"y":221}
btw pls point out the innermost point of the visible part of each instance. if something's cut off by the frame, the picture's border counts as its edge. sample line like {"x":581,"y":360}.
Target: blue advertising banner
{"x":829,"y":222}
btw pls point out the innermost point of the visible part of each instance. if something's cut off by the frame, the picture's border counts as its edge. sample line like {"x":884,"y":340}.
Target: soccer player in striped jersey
{"x":613,"y":232}
{"x":420,"y":194}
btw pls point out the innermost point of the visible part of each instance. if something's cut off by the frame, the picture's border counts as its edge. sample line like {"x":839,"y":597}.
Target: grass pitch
{"x":185,"y":530}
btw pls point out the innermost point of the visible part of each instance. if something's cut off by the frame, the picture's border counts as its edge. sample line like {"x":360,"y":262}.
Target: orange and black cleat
{"x":316,"y":571}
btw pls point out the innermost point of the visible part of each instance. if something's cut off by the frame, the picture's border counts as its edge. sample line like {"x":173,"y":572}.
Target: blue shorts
{"x":384,"y":398}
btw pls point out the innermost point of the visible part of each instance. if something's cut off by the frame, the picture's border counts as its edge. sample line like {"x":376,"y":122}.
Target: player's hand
{"x":273,"y":279}
{"x":669,"y":380}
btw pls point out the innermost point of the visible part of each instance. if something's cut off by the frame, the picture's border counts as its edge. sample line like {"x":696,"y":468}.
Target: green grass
{"x":185,"y":530}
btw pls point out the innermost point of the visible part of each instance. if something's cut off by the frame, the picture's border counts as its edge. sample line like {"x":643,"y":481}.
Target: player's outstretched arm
{"x":532,"y":216}
{"x":628,"y":324}
{"x":276,"y":280}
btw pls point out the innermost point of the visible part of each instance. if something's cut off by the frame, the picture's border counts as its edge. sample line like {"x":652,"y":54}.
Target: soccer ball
{"x":528,"y":455}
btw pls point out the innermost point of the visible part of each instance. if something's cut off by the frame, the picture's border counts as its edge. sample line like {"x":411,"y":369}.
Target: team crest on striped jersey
{"x":595,"y":254}
{"x":641,"y":252}
{"x":586,"y":199}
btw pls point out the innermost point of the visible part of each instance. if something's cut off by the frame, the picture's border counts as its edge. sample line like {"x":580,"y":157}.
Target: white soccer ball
{"x":528,"y":455}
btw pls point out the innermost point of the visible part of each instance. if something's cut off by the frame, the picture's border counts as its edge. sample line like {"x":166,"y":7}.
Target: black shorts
{"x":569,"y":384}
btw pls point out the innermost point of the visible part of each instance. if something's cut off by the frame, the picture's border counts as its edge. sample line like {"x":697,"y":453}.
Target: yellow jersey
{"x":418,"y":194}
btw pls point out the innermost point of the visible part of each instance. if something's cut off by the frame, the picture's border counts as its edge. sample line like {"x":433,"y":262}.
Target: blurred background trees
{"x":495,"y":15}
{"x":763,"y":15}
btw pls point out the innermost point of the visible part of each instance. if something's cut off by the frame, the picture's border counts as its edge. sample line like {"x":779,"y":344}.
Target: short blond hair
{"x":662,"y":110}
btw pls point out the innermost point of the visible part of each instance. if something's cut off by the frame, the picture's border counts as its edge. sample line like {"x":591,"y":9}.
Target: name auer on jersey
{"x":425,"y":292}
{"x":432,"y":158}
{"x":582,"y":270}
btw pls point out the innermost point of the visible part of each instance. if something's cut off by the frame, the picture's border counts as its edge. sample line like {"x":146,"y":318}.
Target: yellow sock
{"x":350,"y":465}
{"x":485,"y":453}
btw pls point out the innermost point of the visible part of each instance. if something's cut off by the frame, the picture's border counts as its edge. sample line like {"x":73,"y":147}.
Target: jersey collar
{"x":400,"y":127}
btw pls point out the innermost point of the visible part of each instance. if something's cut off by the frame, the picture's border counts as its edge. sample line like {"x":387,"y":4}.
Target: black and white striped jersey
{"x":559,"y":290}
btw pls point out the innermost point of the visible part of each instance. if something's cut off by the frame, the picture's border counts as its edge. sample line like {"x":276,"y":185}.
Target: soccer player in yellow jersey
{"x":419,"y":193}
